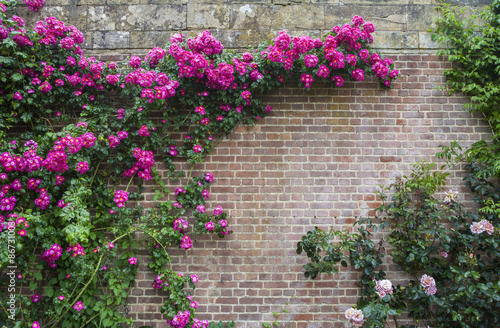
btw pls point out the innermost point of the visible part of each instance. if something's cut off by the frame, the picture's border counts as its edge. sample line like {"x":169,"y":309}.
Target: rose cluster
{"x":51,"y":255}
{"x":482,"y":226}
{"x":356,"y":316}
{"x":145,"y":162}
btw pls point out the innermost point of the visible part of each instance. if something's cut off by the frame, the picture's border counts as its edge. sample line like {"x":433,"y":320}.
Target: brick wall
{"x":315,"y":161}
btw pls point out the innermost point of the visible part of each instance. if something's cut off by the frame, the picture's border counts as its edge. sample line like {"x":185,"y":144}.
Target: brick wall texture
{"x":315,"y":161}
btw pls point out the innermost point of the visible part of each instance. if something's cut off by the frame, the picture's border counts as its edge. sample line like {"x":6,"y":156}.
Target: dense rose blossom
{"x":52,"y":255}
{"x":67,"y":43}
{"x":121,"y":113}
{"x":180,"y":320}
{"x":482,"y":226}
{"x":206,"y":44}
{"x":209,"y":177}
{"x":145,"y":161}
{"x":113,"y":79}
{"x":218,"y":210}
{"x":186,"y":242}
{"x":121,"y":197}
{"x":209,"y":226}
{"x":143,"y":131}
{"x":88,"y":140}
{"x":78,"y":306}
{"x":201,"y":208}
{"x":200,"y":110}
{"x":358,"y":74}
{"x":122,"y":135}
{"x":134,"y":62}
{"x":206,"y":194}
{"x":180,"y":224}
{"x":310,"y":60}
{"x":113,"y":141}
{"x":18,"y":96}
{"x":82,"y":167}
{"x":180,"y":190}
{"x":323,"y":71}
{"x":34,"y":5}
{"x":356,"y":317}
{"x":76,"y":250}
{"x":307,"y":79}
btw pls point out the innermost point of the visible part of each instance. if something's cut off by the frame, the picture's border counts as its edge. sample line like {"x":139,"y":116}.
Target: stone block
{"x":257,"y":16}
{"x":395,"y":40}
{"x":149,"y":39}
{"x":375,"y":2}
{"x":103,"y":18}
{"x":421,"y":18}
{"x":111,"y":40}
{"x":207,"y":16}
{"x":152,"y":17}
{"x":384,"y":17}
{"x":161,"y":2}
{"x":70,"y":15}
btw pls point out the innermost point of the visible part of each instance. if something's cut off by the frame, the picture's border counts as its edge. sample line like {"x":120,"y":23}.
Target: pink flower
{"x":197,"y":148}
{"x":78,"y":306}
{"x":209,"y":225}
{"x":200,"y":208}
{"x":134,"y":62}
{"x":194,"y":304}
{"x":482,"y":226}
{"x":82,"y":167}
{"x":61,"y":298}
{"x":246,"y":95}
{"x":18,"y":96}
{"x":132,"y":260}
{"x":311,"y":60}
{"x":200,"y":110}
{"x":121,"y":197}
{"x":35,"y":298}
{"x":186,"y":242}
{"x":35,"y":324}
{"x":209,"y":177}
{"x":444,"y":254}
{"x":223,"y":223}
{"x":143,"y":131}
{"x":358,"y":74}
{"x":173,"y":151}
{"x":194,"y":278}
{"x":206,"y":194}
{"x":429,"y":284}
{"x":122,"y":135}
{"x":111,"y":245}
{"x":218,"y":210}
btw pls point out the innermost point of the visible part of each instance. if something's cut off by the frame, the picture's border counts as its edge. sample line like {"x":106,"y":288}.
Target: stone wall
{"x":315,"y":161}
{"x":132,"y":26}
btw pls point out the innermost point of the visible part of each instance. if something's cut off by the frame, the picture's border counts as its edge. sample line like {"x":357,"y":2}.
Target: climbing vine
{"x":81,"y":138}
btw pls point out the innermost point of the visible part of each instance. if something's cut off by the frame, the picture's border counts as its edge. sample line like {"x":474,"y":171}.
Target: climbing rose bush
{"x":74,"y":158}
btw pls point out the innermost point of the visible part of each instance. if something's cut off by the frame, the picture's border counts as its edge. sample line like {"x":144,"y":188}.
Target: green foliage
{"x":474,"y":47}
{"x":430,"y":236}
{"x":70,"y":185}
